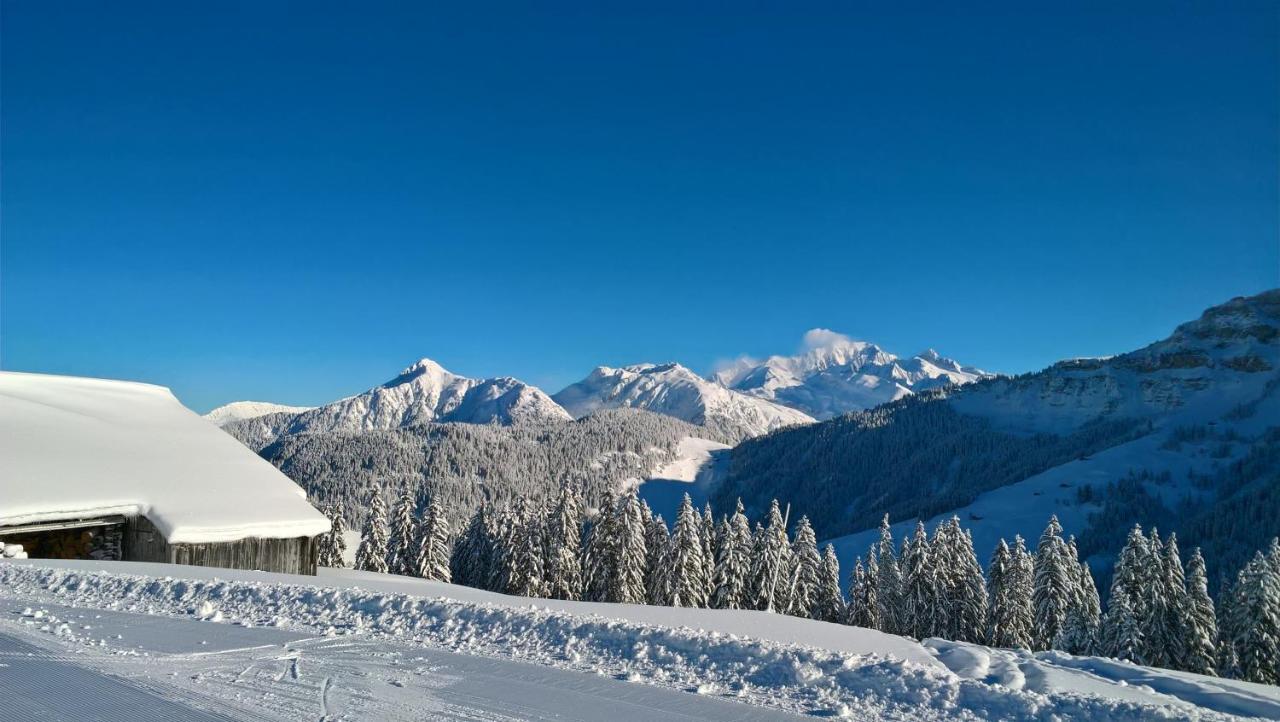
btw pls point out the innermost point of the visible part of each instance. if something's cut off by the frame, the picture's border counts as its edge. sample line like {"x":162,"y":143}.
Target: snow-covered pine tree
{"x":1079,"y":634}
{"x":830,"y":604}
{"x":921,"y":599}
{"x":332,"y":545}
{"x":1077,"y":583}
{"x":600,"y":553}
{"x":733,"y":563}
{"x":469,"y":563}
{"x":322,"y":540}
{"x":1055,"y":585}
{"x":888,"y":582}
{"x":656,"y":539}
{"x":999,"y":574}
{"x":1177,"y":604}
{"x":1122,"y":626}
{"x":431,"y":548}
{"x":527,"y":575}
{"x":1200,"y":642}
{"x":805,"y":571}
{"x":1226,"y":662}
{"x":708,"y":536}
{"x":858,"y":613}
{"x":626,"y":584}
{"x":508,"y":525}
{"x":771,"y":562}
{"x":968,"y":609}
{"x":868,"y":614}
{"x":1011,"y":614}
{"x":402,"y":541}
{"x":683,"y":562}
{"x":1255,"y":628}
{"x":563,"y":568}
{"x":723,"y":545}
{"x":1092,"y":607}
{"x":371,"y":555}
{"x":1124,"y":633}
{"x":1158,"y":639}
{"x":944,"y":557}
{"x":1024,"y":581}
{"x":338,"y":536}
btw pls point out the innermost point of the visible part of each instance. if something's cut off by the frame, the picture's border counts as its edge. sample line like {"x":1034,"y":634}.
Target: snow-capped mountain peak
{"x":424,"y":392}
{"x":242,"y":410}
{"x":674,"y":390}
{"x":422,"y":368}
{"x":835,"y":374}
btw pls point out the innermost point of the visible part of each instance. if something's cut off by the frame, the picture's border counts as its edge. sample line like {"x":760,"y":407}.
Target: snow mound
{"x":1047,"y":673}
{"x":781,"y":662}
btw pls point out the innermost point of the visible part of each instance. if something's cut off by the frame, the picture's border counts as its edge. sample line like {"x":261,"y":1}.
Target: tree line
{"x":467,"y":465}
{"x":1158,"y":612}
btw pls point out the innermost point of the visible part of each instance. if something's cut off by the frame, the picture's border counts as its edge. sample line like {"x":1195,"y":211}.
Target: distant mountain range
{"x":835,"y":376}
{"x":1183,"y":434}
{"x":673,"y":390}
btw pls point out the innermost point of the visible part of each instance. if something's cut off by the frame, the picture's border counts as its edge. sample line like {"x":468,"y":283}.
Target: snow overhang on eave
{"x":83,"y":523}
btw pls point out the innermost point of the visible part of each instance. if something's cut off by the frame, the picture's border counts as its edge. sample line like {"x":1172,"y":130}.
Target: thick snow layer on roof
{"x":74,"y":447}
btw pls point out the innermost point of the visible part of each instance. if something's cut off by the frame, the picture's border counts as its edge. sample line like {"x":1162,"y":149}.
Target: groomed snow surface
{"x":354,"y":645}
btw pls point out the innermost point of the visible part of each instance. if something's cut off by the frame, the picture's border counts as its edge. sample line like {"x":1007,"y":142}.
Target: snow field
{"x":873,"y":676}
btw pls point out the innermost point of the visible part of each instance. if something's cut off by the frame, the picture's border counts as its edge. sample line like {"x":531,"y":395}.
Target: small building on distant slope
{"x":96,"y":469}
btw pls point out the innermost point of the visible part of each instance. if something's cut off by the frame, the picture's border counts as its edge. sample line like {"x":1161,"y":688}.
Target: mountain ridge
{"x":674,"y":390}
{"x":836,"y":374}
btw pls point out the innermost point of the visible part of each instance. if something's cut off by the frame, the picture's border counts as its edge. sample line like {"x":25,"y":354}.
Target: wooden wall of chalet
{"x":297,"y":555}
{"x":143,"y":542}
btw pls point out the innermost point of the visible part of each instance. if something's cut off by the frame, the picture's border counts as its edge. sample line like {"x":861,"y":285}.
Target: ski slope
{"x":697,"y":467}
{"x":350,"y":645}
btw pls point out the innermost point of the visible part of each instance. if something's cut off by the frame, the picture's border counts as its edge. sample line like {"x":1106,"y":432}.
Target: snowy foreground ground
{"x":117,"y":640}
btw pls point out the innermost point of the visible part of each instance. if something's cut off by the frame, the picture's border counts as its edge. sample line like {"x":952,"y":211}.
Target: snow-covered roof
{"x":73,"y":447}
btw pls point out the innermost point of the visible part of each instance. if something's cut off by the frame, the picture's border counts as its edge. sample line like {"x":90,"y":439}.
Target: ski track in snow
{"x":389,"y":656}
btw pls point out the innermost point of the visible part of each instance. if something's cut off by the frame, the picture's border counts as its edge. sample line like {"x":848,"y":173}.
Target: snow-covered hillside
{"x":208,"y":644}
{"x":836,"y":374}
{"x":697,"y":465}
{"x":1204,"y":371}
{"x":673,"y":390}
{"x":242,"y":410}
{"x":426,"y":392}
{"x":1176,"y":420}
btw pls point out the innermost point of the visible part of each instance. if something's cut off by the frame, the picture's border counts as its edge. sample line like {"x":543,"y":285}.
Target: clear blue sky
{"x":292,"y":201}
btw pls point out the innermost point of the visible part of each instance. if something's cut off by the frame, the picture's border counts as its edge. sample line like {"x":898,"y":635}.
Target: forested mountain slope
{"x":1190,"y":418}
{"x":465,"y":464}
